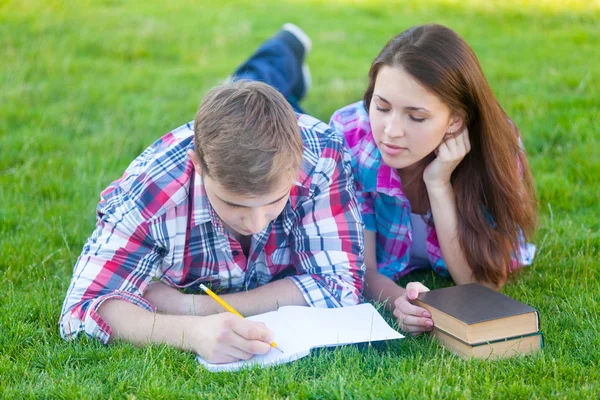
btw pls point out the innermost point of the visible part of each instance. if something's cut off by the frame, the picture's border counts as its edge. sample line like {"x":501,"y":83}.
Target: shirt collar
{"x":201,"y":208}
{"x":388,"y":181}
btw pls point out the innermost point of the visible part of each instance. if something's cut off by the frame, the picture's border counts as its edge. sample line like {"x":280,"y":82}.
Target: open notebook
{"x":299,"y":329}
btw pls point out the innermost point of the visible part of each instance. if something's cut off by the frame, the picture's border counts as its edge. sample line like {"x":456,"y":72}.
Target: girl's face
{"x":407,"y":121}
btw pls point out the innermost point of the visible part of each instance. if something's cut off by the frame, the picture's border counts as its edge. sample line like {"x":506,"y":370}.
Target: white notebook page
{"x":293,"y":346}
{"x":320,"y":327}
{"x":299,"y":329}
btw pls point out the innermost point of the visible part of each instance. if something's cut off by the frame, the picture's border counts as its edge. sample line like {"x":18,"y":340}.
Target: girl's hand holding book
{"x":412,"y":319}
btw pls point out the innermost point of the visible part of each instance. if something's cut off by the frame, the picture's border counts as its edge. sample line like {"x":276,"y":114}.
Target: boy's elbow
{"x":352,"y":297}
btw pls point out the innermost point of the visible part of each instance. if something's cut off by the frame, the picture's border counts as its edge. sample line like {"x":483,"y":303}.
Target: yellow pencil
{"x":229,"y":308}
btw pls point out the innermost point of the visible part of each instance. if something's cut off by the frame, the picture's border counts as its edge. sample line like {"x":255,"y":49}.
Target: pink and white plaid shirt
{"x":156,"y":222}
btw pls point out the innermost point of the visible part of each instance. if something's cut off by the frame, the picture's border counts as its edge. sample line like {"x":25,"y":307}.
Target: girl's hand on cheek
{"x":448,"y":155}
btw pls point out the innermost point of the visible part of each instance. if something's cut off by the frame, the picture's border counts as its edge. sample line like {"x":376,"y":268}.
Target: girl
{"x":441,"y":175}
{"x":440,"y":171}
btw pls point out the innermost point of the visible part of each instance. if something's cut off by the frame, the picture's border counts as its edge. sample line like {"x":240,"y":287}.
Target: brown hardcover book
{"x":475,"y":313}
{"x":502,"y":348}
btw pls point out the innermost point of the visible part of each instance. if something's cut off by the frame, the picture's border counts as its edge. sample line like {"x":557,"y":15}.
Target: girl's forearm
{"x":445,"y":215}
{"x":380,"y":288}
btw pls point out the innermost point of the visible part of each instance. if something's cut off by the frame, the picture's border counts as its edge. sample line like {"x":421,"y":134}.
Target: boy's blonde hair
{"x":247,"y":137}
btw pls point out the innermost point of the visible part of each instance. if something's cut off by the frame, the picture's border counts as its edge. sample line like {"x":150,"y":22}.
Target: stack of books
{"x":475,"y":321}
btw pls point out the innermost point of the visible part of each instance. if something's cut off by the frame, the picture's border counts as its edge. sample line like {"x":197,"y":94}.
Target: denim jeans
{"x":275,"y":64}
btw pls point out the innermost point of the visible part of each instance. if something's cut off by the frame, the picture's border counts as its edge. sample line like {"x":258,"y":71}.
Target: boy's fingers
{"x":251,"y":330}
{"x":251,"y":347}
{"x":222,"y":359}
{"x":250,"y":338}
{"x":238,"y":354}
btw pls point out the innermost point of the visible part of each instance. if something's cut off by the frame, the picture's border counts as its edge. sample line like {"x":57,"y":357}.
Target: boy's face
{"x":246,"y":215}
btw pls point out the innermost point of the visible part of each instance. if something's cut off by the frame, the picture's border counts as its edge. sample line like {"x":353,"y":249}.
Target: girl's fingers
{"x":410,"y":309}
{"x":443,"y":153}
{"x":414,"y":288}
{"x":460,"y":145}
{"x":464,"y":141}
{"x":417,"y":322}
{"x":453,"y":144}
{"x":407,"y":325}
{"x":457,"y":145}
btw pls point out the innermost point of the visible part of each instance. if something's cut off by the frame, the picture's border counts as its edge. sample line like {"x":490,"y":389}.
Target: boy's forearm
{"x":256,"y":301}
{"x":269,"y":297}
{"x":141,"y":327}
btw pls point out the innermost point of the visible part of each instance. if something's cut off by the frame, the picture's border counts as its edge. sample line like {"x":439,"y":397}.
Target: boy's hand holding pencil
{"x":231,"y":310}
{"x":225,"y":338}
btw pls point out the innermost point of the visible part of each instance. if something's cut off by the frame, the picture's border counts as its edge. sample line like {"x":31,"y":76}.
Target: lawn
{"x":85,"y":86}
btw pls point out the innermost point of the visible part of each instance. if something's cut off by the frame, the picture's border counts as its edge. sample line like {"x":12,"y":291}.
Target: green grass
{"x":85,"y":86}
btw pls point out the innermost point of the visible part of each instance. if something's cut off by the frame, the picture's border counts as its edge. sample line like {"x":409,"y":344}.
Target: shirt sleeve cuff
{"x":318,"y":294}
{"x":369,"y":221}
{"x":439,"y":267}
{"x":92,"y":324}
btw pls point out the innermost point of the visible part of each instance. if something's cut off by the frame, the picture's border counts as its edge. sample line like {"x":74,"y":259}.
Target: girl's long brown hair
{"x":495,"y":194}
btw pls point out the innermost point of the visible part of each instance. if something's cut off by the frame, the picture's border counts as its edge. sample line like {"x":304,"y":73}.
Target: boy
{"x":256,"y":201}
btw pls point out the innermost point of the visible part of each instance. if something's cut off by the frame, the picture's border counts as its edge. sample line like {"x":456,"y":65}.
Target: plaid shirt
{"x":383,"y":204}
{"x":156,"y":222}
